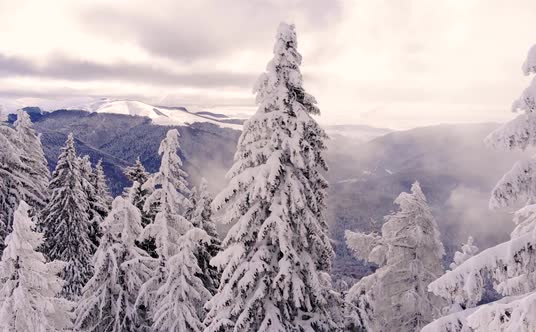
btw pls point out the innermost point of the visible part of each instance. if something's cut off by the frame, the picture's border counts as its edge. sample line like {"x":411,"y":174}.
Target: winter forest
{"x":167,"y":254}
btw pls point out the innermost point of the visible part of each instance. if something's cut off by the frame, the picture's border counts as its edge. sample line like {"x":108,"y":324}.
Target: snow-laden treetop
{"x":521,"y":131}
{"x":284,"y":67}
{"x":529,"y":66}
{"x":519,"y":184}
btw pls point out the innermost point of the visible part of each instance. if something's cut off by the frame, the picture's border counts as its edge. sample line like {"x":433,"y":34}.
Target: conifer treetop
{"x":520,"y":132}
{"x":108,"y":302}
{"x":137,"y":172}
{"x":170,"y":191}
{"x":65,"y":221}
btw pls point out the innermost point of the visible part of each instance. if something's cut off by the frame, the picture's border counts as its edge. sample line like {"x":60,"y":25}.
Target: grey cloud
{"x":60,"y":67}
{"x":207,"y":29}
{"x":14,"y":65}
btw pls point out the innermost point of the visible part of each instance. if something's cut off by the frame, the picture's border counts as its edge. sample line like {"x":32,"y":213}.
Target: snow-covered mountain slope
{"x":164,"y":116}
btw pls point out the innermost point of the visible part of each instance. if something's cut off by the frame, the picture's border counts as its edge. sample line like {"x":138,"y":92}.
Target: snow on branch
{"x":505,"y":264}
{"x":515,"y":186}
{"x":369,"y":247}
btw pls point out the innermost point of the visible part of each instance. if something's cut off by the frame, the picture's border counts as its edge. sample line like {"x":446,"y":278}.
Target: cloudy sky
{"x":385,"y":63}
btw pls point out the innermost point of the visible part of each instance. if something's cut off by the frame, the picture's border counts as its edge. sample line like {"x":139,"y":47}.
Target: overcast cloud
{"x":387,"y":63}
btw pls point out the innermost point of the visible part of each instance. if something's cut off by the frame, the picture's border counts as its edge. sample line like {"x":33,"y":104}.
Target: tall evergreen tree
{"x":23,"y":171}
{"x":34,"y":158}
{"x":95,"y":218}
{"x":137,"y":173}
{"x":11,"y":177}
{"x":180,"y":299}
{"x":101,"y":189}
{"x":201,"y":217}
{"x":65,"y":222}
{"x":108,"y":300}
{"x":409,"y":253}
{"x":98,"y":196}
{"x":169,"y":189}
{"x":278,"y":254}
{"x":29,"y":286}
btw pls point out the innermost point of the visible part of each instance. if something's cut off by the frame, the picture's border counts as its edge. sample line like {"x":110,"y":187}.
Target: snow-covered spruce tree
{"x":278,"y":254}
{"x":99,"y":199}
{"x":450,"y":321}
{"x":65,"y":223}
{"x":200,"y":215}
{"x":180,"y":299}
{"x":95,"y":218}
{"x":169,"y":189}
{"x":467,"y":251}
{"x":101,"y":190}
{"x":29,"y":286}
{"x":23,"y":171}
{"x":137,"y":173}
{"x":510,"y":265}
{"x":108,"y":300}
{"x":12,"y":172}
{"x":34,"y":158}
{"x":409,"y":253}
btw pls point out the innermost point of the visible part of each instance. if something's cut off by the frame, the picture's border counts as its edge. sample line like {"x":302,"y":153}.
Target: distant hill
{"x":162,"y":115}
{"x":118,"y":139}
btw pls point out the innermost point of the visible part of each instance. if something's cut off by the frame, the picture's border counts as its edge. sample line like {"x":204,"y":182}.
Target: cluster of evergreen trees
{"x":151,"y":259}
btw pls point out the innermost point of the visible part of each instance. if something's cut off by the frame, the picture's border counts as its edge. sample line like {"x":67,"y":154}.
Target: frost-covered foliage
{"x":33,"y":158}
{"x":94,"y":217}
{"x":169,"y":191}
{"x":29,"y":286}
{"x":516,"y":314}
{"x":277,"y":254}
{"x":510,"y":265}
{"x":137,"y":173}
{"x":452,"y":322}
{"x":201,"y":217}
{"x":517,"y":185}
{"x":99,"y":200}
{"x":12,"y":174}
{"x":468,"y":250}
{"x":65,"y":223}
{"x":23,"y":171}
{"x":521,"y":131}
{"x":180,"y":299}
{"x":409,"y":252}
{"x":369,"y":247}
{"x":108,"y":300}
{"x":101,"y":190}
